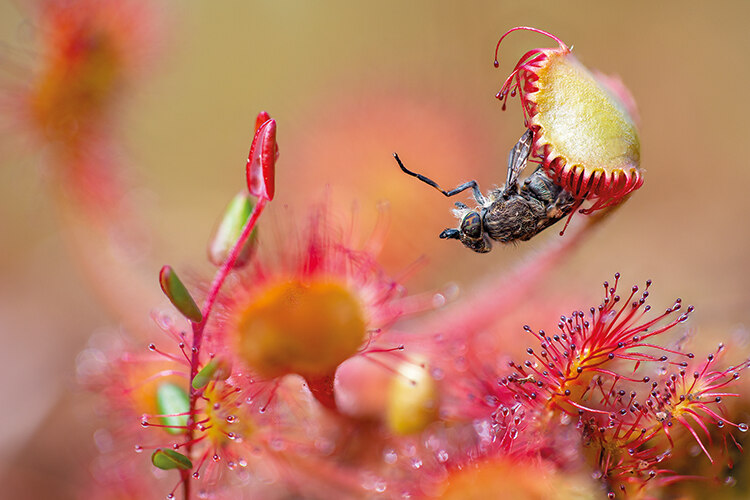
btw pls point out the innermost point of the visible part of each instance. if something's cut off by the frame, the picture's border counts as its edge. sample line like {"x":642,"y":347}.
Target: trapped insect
{"x":584,"y":123}
{"x":511,"y":213}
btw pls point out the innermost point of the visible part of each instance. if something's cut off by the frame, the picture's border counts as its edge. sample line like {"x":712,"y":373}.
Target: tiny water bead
{"x":380,"y":485}
{"x":325,"y":446}
{"x":277,"y":444}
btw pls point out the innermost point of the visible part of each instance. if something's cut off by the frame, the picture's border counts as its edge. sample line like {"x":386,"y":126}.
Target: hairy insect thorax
{"x":513,"y":219}
{"x":538,"y":204}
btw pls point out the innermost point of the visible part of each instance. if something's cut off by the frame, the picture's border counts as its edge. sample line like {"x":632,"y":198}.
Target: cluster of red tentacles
{"x":632,"y":398}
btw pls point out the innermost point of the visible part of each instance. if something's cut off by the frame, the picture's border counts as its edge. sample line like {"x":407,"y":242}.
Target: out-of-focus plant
{"x":90,"y":53}
{"x":64,"y":106}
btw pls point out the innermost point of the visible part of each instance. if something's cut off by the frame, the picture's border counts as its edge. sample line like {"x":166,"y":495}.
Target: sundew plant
{"x":295,"y":359}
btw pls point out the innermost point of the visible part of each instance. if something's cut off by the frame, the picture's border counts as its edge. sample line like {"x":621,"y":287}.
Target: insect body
{"x":511,"y":213}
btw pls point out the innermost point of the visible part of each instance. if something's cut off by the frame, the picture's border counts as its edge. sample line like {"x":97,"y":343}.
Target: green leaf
{"x":172,"y":399}
{"x":229,"y":230}
{"x":167,"y":459}
{"x":216,"y":369}
{"x":178,"y":294}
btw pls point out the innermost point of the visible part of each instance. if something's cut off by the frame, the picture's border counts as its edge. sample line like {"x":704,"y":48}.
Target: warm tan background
{"x":349,"y":85}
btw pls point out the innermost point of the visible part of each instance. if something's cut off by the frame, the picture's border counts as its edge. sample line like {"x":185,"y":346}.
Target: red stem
{"x":208,"y":304}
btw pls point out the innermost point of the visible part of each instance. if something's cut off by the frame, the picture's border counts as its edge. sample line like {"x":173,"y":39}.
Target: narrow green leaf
{"x":216,"y":369}
{"x":167,"y":459}
{"x":172,"y":399}
{"x":229,"y":230}
{"x":178,"y":294}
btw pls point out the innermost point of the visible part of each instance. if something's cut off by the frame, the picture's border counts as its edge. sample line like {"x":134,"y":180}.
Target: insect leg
{"x":463,"y":187}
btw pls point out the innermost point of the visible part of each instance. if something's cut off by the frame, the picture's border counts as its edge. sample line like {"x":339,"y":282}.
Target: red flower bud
{"x":261,"y":162}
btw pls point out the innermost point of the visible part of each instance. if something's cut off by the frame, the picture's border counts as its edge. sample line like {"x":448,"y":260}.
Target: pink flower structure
{"x":317,"y":302}
{"x":584,"y":128}
{"x":631,"y":398}
{"x":234,"y":442}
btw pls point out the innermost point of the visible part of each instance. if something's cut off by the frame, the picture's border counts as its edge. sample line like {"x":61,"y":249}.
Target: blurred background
{"x":349,"y":84}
